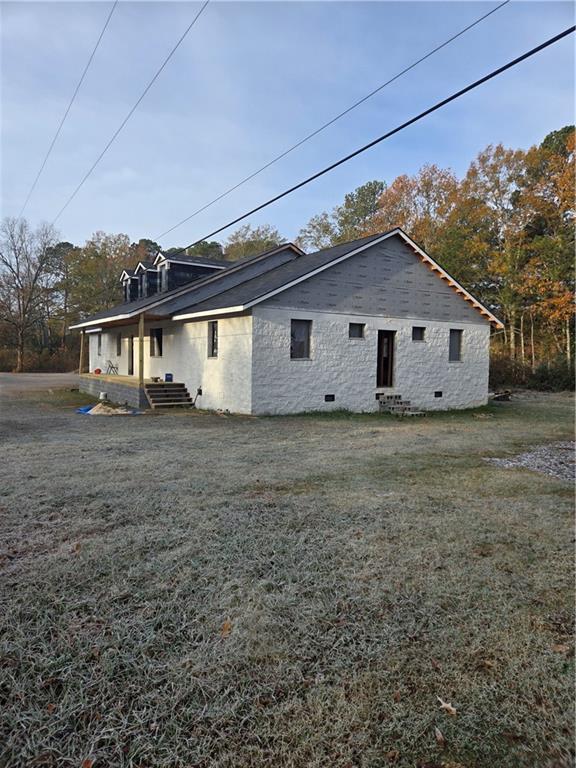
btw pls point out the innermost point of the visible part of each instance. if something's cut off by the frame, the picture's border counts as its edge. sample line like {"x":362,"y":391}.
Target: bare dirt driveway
{"x":18,"y":383}
{"x":196,"y":591}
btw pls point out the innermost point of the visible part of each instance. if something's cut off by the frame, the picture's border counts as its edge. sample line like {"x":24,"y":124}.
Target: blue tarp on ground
{"x":84,"y":410}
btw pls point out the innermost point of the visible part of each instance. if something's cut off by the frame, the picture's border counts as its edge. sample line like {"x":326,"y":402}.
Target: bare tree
{"x":25,"y":273}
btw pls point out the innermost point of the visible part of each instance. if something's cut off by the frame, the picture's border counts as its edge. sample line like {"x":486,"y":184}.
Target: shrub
{"x":555,"y":376}
{"x":7,"y":359}
{"x":45,"y":361}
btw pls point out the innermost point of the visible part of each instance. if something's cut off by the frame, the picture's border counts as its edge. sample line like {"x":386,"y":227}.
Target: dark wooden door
{"x":131,"y":356}
{"x":385,"y":370}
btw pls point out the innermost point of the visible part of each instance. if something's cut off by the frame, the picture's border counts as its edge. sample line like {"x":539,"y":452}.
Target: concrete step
{"x":408,"y":412}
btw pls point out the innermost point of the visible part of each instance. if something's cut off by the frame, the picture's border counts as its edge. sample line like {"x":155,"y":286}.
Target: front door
{"x":385,"y":369}
{"x":131,"y":356}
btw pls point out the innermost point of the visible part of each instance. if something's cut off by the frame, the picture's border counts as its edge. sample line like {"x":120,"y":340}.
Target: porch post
{"x":81,"y":361}
{"x":141,"y":351}
{"x":82,"y":345}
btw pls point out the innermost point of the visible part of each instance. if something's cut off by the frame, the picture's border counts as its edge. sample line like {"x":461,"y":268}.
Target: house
{"x":288,"y":331}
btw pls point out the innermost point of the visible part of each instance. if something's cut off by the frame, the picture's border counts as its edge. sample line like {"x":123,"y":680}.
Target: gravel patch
{"x":556,"y":460}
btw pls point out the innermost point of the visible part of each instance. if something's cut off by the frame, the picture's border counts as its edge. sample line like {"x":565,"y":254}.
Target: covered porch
{"x":118,"y":351}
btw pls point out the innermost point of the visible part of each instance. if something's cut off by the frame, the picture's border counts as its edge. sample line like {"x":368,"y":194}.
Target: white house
{"x":287,"y":331}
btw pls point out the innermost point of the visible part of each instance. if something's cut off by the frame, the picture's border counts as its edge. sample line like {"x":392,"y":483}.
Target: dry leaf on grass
{"x":226,"y":628}
{"x":87,"y":763}
{"x":441,"y":741}
{"x":51,"y":708}
{"x":448,"y":708}
{"x":486,"y":665}
{"x":435,"y":665}
{"x":453,"y":765}
{"x":561,"y":648}
{"x":397,"y":695}
{"x":392,"y":756}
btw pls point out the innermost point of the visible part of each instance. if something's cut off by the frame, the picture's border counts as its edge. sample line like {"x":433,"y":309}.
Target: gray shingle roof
{"x":202,"y":288}
{"x":197,"y":260}
{"x":264,"y":283}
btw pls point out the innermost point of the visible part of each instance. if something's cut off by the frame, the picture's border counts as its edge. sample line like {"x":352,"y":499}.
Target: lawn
{"x":197,"y":591}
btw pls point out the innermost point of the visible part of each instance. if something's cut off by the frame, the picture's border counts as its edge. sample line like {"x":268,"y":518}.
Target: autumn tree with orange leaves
{"x":505,"y":231}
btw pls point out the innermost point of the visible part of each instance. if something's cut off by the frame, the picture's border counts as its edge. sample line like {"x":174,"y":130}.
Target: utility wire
{"x":68,"y":108}
{"x":332,"y":121}
{"x":387,"y":135}
{"x":131,"y":112}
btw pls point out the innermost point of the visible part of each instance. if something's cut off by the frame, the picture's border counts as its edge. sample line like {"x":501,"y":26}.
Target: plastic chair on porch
{"x":111,"y":369}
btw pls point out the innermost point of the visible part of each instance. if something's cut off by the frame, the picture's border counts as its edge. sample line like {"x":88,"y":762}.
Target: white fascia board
{"x":142,"y":268}
{"x":94,"y":330}
{"x":209,"y":313}
{"x":89,"y":323}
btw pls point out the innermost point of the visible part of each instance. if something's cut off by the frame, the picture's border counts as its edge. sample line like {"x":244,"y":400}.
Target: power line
{"x":68,"y":108}
{"x":333,"y":120}
{"x":387,"y":135}
{"x":131,"y":112}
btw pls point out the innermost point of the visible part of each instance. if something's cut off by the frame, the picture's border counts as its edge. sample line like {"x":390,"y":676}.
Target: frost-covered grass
{"x":191,"y":590}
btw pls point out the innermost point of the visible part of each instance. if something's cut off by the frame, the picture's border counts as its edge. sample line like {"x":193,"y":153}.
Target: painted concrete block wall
{"x":346,"y":367}
{"x":225,"y":380}
{"x":108,"y":351}
{"x":116,"y":392}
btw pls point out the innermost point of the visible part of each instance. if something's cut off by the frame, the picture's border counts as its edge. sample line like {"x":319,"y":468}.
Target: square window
{"x":155,"y":342}
{"x":438,"y":393}
{"x":213,"y":338}
{"x":118,"y":344}
{"x":455,"y":348}
{"x":356,"y":330}
{"x":329,"y":398}
{"x":300,"y":331}
{"x":418,"y":333}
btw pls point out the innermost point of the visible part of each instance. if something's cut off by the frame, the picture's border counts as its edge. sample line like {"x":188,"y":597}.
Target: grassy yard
{"x":199,"y":591}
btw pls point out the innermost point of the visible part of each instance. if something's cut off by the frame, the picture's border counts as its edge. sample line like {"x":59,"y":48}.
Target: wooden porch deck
{"x":116,"y":378}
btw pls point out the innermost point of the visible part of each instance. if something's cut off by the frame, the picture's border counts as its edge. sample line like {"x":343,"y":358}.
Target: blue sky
{"x":251,"y":79}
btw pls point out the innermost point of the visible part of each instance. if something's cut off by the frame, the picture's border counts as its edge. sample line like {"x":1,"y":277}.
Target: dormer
{"x":147,"y":276}
{"x":177,"y":270}
{"x":129,"y":285}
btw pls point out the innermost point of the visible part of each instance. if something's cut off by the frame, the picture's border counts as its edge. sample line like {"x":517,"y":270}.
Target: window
{"x":155,"y":342}
{"x":99,"y":339}
{"x":418,"y":333}
{"x":438,"y":393}
{"x":329,"y":398}
{"x":213,"y":338}
{"x":300,"y":339}
{"x":356,"y":330}
{"x":455,"y":349}
{"x":118,"y":344}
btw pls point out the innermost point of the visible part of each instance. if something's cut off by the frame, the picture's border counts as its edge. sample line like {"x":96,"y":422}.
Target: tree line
{"x":505,"y":231}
